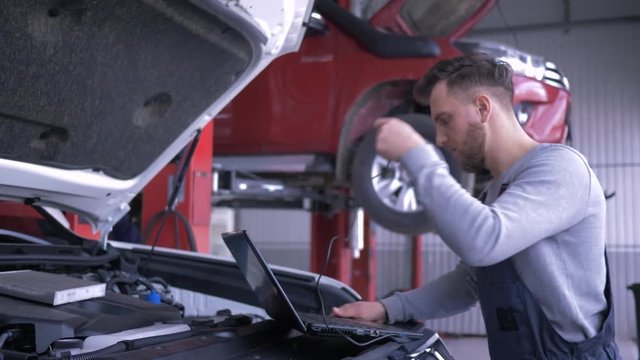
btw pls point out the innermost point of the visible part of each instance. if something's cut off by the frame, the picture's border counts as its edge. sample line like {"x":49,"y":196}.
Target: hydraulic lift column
{"x":365,"y":268}
{"x":360,"y":273}
{"x":323,"y":229}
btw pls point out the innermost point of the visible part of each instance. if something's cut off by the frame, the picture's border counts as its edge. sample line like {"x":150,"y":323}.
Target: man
{"x":531,"y":249}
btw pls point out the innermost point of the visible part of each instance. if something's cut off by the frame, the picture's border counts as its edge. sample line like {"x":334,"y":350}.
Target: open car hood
{"x":96,"y":97}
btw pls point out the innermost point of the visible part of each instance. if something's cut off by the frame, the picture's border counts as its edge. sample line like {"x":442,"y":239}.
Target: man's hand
{"x":395,"y":138}
{"x":362,"y":310}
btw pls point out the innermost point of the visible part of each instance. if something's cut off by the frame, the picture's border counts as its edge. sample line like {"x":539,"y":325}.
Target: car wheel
{"x":383,"y":188}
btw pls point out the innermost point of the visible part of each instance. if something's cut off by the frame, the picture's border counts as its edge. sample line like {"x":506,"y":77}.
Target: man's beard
{"x":472,"y":154}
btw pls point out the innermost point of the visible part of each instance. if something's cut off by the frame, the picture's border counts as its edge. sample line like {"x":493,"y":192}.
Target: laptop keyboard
{"x":332,"y":320}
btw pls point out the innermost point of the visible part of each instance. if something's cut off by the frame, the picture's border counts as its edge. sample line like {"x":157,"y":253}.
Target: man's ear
{"x":483,"y":103}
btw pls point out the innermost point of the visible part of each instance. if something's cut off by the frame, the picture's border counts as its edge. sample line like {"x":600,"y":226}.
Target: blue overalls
{"x":518,"y":329}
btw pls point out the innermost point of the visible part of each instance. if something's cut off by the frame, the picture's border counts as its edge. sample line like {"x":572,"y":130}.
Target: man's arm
{"x":547,"y":197}
{"x":447,"y":295}
{"x":450,"y":294}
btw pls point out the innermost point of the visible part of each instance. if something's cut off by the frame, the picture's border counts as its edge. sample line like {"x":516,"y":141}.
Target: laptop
{"x":277,"y":305}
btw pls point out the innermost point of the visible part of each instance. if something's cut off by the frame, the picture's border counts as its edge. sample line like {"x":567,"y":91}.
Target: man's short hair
{"x":466,"y":72}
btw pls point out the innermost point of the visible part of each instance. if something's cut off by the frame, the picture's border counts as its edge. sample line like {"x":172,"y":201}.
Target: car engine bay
{"x":140,"y":317}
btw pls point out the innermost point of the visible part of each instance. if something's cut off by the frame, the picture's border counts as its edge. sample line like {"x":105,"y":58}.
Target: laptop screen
{"x":261,"y":280}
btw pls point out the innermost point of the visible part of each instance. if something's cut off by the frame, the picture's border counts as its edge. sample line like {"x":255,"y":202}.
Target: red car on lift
{"x":301,"y":134}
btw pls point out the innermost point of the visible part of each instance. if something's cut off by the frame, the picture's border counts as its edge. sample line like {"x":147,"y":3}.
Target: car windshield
{"x":436,"y":18}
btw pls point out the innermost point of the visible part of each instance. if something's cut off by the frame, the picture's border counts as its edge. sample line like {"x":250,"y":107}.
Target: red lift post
{"x":323,"y":229}
{"x":360,"y":273}
{"x":365,"y":268}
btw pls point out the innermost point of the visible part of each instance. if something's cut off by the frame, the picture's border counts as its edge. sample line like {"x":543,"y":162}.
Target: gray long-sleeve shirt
{"x":549,"y":221}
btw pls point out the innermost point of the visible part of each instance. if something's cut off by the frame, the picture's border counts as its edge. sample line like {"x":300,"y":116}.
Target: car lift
{"x":352,"y":262}
{"x":358,"y":271}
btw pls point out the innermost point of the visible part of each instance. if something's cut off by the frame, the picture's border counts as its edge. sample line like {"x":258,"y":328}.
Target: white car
{"x":96,"y":98}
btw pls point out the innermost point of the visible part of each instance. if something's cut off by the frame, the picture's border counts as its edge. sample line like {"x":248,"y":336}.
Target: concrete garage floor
{"x":475,"y":348}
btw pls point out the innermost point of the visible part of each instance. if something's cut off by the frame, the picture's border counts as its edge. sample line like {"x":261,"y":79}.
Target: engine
{"x":34,"y":327}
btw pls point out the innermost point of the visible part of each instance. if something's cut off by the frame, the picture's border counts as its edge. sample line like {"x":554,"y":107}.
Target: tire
{"x":384,"y":189}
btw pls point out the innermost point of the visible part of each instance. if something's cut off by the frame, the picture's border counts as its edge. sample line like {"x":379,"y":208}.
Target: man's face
{"x":458,"y":127}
